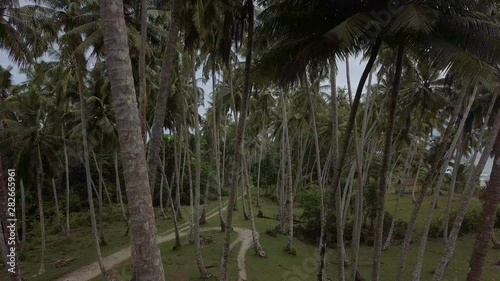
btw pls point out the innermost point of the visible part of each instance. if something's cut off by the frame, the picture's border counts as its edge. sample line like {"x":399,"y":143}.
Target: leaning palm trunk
{"x":142,"y":96}
{"x":345,"y":143}
{"x":100,"y":227}
{"x":456,"y":167}
{"x":382,"y":188}
{"x":240,"y":134}
{"x":39,"y":182}
{"x":259,"y":251}
{"x":197,"y":247}
{"x":88,"y":177}
{"x":66,"y":170}
{"x":162,"y":182}
{"x":145,"y":249}
{"x":434,"y":167}
{"x":178,"y":177}
{"x":494,"y":240}
{"x":56,"y":202}
{"x":166,"y":78}
{"x":119,"y":189}
{"x":177,"y":244}
{"x":488,"y":217}
{"x":469,"y":189}
{"x":439,"y":182}
{"x":322,"y":242}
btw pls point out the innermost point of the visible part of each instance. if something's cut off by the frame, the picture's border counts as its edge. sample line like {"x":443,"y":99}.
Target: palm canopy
{"x":449,"y":32}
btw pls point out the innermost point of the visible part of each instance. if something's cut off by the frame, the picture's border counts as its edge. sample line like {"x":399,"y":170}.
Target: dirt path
{"x":245,"y":237}
{"x":92,"y":270}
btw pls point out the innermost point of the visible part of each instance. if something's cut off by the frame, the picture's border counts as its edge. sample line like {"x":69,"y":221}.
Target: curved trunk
{"x":216,"y":149}
{"x":240,"y":135}
{"x":456,"y":167}
{"x":259,"y":251}
{"x":345,"y":143}
{"x":178,"y":177}
{"x":162,"y":181}
{"x":488,"y":216}
{"x":382,"y":188}
{"x":435,"y":166}
{"x":164,"y":90}
{"x":88,"y":176}
{"x":438,"y":184}
{"x":145,"y":249}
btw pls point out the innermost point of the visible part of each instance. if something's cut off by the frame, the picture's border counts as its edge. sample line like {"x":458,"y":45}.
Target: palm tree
{"x":142,"y":222}
{"x":491,"y":200}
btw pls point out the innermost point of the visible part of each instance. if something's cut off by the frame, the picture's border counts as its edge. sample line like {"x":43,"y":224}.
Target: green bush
{"x":436,"y":229}
{"x":471,"y":219}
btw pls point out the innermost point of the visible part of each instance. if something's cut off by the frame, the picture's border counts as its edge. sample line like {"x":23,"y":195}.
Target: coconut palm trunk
{"x":491,"y":200}
{"x":166,"y":78}
{"x":66,"y":172}
{"x":456,"y":167}
{"x":100,"y":207}
{"x":345,"y":143}
{"x":145,"y":249}
{"x":240,"y":135}
{"x":437,"y":185}
{"x":56,"y":204}
{"x":382,"y":188}
{"x":435,"y":166}
{"x":142,"y":95}
{"x":470,"y":187}
{"x":39,"y":183}
{"x":199,"y":260}
{"x":216,"y":149}
{"x":88,"y":177}
{"x":119,"y":188}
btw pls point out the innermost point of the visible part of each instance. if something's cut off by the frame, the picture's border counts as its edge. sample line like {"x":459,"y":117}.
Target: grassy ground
{"x":179,"y":265}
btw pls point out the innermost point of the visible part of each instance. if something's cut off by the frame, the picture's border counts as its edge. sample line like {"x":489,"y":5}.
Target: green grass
{"x":180,"y":265}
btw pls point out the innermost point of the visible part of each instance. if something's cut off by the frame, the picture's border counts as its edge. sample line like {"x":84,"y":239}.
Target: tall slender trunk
{"x":166,"y":78}
{"x":240,"y":134}
{"x":491,"y":200}
{"x":142,"y":97}
{"x":288,"y":181}
{"x":456,"y":167}
{"x":145,"y":249}
{"x":436,"y":164}
{"x":162,"y":181}
{"x":100,"y":207}
{"x":177,"y":244}
{"x":216,"y":150}
{"x":469,"y":189}
{"x":259,"y":251}
{"x":39,"y":182}
{"x":259,"y":162}
{"x":66,"y":172}
{"x":197,"y":247}
{"x":119,"y":188}
{"x":382,"y":189}
{"x":178,"y":177}
{"x":438,"y":184}
{"x":345,"y":143}
{"x":322,"y":243}
{"x":56,"y":202}
{"x":86,"y":156}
